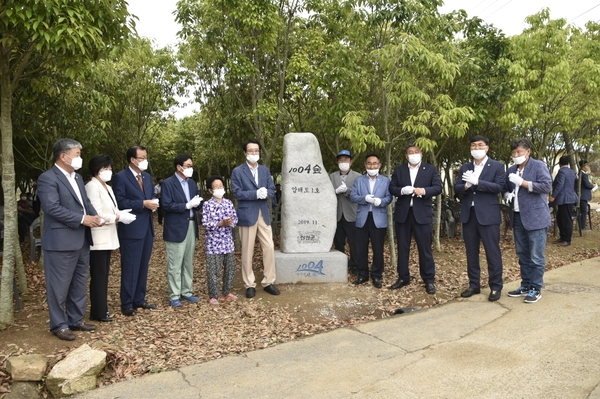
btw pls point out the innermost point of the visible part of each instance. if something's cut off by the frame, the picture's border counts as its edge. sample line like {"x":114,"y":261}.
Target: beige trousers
{"x":265,"y":236}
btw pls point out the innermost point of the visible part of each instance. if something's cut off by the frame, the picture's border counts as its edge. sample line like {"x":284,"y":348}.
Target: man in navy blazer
{"x":180,"y":201}
{"x":371,"y":193}
{"x":564,"y":198}
{"x":134,"y":190}
{"x":526,"y":189}
{"x":252,"y":185}
{"x":66,"y":239}
{"x":480,"y":183}
{"x":586,"y":193}
{"x":415,"y":184}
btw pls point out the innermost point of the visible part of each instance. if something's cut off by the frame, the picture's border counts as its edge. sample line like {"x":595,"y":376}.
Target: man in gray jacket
{"x":342,"y":181}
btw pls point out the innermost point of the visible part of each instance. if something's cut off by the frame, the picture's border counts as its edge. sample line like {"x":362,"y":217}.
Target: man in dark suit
{"x":66,"y":239}
{"x":414,"y":184}
{"x":586,"y":193}
{"x":180,"y":200}
{"x":342,"y":181}
{"x":371,"y":193}
{"x":481,"y":182}
{"x":252,"y":185}
{"x":526,"y":189}
{"x":133,"y":190}
{"x":564,"y":198}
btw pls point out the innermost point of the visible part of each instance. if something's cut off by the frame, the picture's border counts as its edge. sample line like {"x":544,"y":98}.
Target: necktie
{"x":139,"y":179}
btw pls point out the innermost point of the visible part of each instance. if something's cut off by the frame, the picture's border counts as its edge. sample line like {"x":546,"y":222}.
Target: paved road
{"x":465,"y":349}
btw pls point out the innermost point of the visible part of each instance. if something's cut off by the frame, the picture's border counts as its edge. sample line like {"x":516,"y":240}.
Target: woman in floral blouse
{"x":219,"y":219}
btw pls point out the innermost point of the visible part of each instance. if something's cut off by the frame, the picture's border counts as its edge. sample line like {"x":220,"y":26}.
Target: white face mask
{"x":414,"y":159}
{"x":519,"y":160}
{"x":143,"y":165}
{"x":252,"y":158}
{"x":188,"y":172}
{"x":219,"y":193}
{"x":76,"y":163}
{"x":105,"y":175}
{"x":372,"y":172}
{"x":344,"y":166}
{"x":478,"y":154}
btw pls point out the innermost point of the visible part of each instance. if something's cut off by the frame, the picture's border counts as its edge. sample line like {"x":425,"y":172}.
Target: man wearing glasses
{"x":252,"y":185}
{"x":479,"y":183}
{"x":133,"y":190}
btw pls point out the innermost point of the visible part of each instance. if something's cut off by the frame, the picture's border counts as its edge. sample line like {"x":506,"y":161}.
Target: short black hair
{"x":480,"y":138}
{"x":251,"y":141}
{"x":410,"y":144}
{"x":132,"y":152}
{"x":582,"y":163}
{"x":180,"y":159}
{"x":99,"y":162}
{"x":372,"y":155}
{"x":525,"y":143}
{"x":564,"y":160}
{"x":211,"y":179}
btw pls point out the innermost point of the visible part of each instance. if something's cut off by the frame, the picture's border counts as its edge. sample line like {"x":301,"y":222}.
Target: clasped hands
{"x":410,"y":190}
{"x":371,"y":199}
{"x":341,"y":189}
{"x":262,"y":193}
{"x":194,"y":202}
{"x":470,"y":179}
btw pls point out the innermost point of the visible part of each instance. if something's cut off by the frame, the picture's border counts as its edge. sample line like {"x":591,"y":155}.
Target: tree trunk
{"x":10,"y":200}
{"x":22,"y":277}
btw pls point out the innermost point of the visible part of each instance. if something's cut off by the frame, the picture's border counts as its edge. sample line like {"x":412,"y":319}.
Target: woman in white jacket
{"x":105,"y":237}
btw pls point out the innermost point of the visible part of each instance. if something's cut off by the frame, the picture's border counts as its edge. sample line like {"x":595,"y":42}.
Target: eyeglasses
{"x":372,"y":163}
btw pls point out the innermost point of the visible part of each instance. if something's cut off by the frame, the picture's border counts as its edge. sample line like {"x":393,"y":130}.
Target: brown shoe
{"x":65,"y":334}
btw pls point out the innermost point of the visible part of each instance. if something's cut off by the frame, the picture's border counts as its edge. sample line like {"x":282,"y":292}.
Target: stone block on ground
{"x":23,"y":390}
{"x":308,"y":201}
{"x":27,"y":367}
{"x":327,"y":267}
{"x":77,"y":372}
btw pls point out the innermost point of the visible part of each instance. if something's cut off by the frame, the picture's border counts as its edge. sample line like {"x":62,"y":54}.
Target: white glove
{"x":595,"y":188}
{"x":341,"y":189}
{"x":509,"y":197}
{"x":194,"y":202}
{"x":470,"y":178}
{"x":126,"y":217}
{"x":515,"y":179}
{"x":376,"y":201}
{"x":407,"y":190}
{"x":369,"y":198}
{"x":262,"y":193}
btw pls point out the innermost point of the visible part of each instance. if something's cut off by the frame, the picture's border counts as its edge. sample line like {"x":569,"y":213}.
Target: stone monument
{"x":308,"y":216}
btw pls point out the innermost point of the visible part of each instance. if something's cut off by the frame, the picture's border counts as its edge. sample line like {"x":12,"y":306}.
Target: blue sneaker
{"x":175,"y":303}
{"x":521,"y":291}
{"x":533,"y":296}
{"x":190,"y":298}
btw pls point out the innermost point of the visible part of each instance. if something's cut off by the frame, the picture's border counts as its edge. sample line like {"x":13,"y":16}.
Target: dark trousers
{"x":99,"y":270}
{"x":564,"y":221}
{"x":135,"y":255}
{"x":423,"y":234}
{"x":583,"y":205}
{"x":160,"y":212}
{"x":473,"y":234}
{"x":346,"y":231}
{"x":377,"y":237}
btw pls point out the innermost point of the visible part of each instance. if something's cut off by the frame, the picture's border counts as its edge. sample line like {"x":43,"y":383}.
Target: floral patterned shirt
{"x":219,"y":239}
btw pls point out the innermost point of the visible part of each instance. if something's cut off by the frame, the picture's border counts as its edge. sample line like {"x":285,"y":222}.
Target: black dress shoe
{"x":430,"y":288}
{"x":564,"y":244}
{"x":399,"y":284}
{"x":65,"y":334}
{"x":494,"y":295}
{"x":250,"y":292}
{"x":360,"y":280}
{"x":105,"y":319}
{"x":129,"y":312}
{"x":377,"y":282}
{"x":145,"y":305}
{"x":271,"y":289}
{"x":557,"y":241}
{"x":83,"y":327}
{"x":469,"y":292}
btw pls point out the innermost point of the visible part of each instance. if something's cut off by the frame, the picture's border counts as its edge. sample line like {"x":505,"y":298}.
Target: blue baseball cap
{"x":344,"y":153}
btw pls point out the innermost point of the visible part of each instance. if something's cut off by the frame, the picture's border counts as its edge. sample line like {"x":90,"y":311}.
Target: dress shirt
{"x":71,"y":178}
{"x":478,"y":170}
{"x":413,"y":170}
{"x":372,"y":181}
{"x":186,"y":190}
{"x":254,"y":171}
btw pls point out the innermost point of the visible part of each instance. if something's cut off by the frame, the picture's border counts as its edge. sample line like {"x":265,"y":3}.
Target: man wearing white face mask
{"x":66,"y":239}
{"x":480,"y":182}
{"x":180,"y":201}
{"x":342,"y":181}
{"x":252,"y":185}
{"x":528,"y":183}
{"x":415,"y":183}
{"x":133,"y":190}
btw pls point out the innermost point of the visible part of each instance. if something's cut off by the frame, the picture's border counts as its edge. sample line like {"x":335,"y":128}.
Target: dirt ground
{"x":167,"y":338}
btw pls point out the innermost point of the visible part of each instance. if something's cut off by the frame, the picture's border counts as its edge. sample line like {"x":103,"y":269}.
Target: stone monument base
{"x":316,"y":267}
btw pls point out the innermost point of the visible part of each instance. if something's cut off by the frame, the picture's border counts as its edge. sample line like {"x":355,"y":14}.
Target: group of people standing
{"x":525,"y":186}
{"x":84,"y":224}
